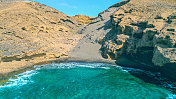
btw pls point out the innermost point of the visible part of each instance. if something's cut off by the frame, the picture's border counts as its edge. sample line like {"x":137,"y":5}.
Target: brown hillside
{"x":83,"y":19}
{"x":30,"y":31}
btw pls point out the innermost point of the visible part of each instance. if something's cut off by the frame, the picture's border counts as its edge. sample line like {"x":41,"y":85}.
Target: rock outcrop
{"x":30,"y":31}
{"x":83,"y":19}
{"x":144,"y":30}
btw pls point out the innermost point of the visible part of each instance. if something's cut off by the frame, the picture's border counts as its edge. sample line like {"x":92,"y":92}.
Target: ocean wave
{"x":25,"y":78}
{"x":73,"y":65}
{"x":20,"y":79}
{"x":171,"y":96}
{"x":156,"y":75}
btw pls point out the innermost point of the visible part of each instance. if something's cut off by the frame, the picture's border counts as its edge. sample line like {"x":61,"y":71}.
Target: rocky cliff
{"x":30,"y":31}
{"x":143,"y":31}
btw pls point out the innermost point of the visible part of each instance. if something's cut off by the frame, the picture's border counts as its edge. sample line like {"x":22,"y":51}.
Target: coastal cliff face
{"x":143,"y":30}
{"x":30,"y":31}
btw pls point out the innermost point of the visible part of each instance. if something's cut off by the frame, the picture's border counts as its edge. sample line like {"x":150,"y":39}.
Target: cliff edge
{"x":31,"y":32}
{"x":143,"y":31}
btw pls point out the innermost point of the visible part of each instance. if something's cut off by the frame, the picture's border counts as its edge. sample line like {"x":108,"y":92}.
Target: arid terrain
{"x":31,"y":32}
{"x":143,"y":31}
{"x":140,"y":33}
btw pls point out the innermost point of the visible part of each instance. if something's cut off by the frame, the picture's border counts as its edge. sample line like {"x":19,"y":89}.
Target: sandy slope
{"x":88,"y":47}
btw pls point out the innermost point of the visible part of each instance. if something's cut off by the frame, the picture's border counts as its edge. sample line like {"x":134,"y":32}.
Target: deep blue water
{"x":84,"y":81}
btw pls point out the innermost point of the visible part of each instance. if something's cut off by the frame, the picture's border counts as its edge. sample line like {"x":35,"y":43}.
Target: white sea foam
{"x":132,"y":69}
{"x":171,"y":96}
{"x":156,"y":75}
{"x":72,"y":65}
{"x":25,"y":78}
{"x":105,"y":67}
{"x":21,"y":79}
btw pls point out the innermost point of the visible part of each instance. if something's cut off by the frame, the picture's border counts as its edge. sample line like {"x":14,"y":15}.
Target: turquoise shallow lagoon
{"x":79,"y":80}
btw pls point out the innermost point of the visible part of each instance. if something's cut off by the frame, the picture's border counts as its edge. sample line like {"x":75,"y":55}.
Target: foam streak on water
{"x":98,"y":78}
{"x":73,"y":65}
{"x":20,"y":79}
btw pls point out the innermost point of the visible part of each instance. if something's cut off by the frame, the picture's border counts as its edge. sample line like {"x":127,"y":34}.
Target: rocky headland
{"x":140,"y":33}
{"x":31,"y":32}
{"x":144,"y":31}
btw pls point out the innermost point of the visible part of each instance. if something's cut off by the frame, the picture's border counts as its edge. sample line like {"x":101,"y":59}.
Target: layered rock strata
{"x":144,"y":30}
{"x":31,"y":32}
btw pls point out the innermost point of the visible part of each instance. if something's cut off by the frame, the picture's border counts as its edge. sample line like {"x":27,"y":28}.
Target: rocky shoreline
{"x":133,"y":33}
{"x":10,"y":69}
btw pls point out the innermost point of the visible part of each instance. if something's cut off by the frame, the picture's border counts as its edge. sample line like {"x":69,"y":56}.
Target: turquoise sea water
{"x":85,"y":81}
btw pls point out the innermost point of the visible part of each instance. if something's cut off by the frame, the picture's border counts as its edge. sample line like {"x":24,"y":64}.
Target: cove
{"x":81,"y":80}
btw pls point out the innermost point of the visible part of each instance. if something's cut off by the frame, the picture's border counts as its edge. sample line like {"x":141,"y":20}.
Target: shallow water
{"x":84,"y":80}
